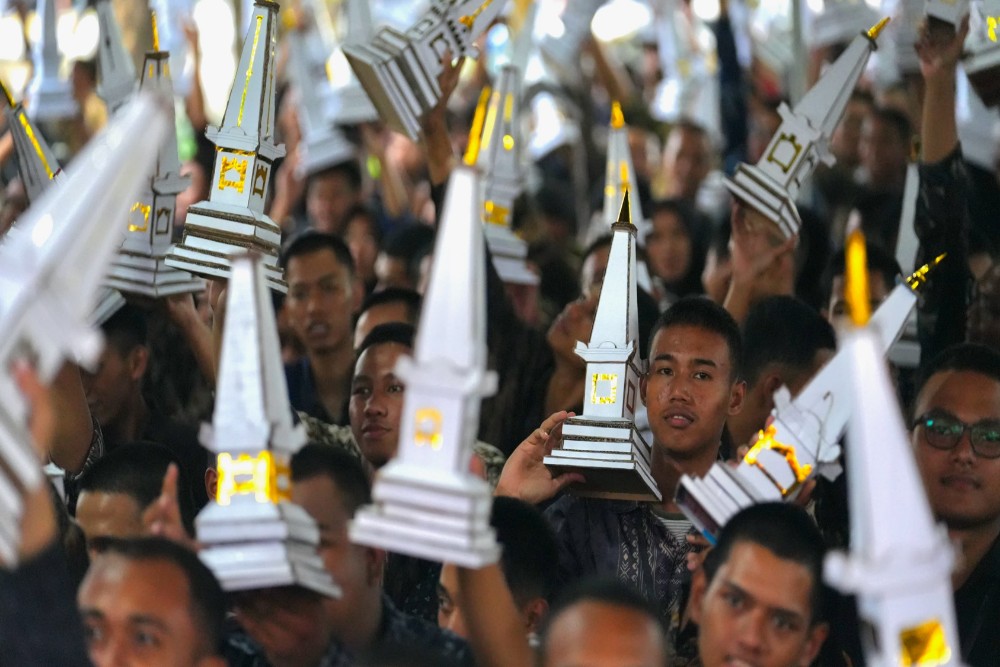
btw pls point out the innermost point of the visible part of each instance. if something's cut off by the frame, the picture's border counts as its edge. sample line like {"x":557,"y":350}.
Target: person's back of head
{"x":786,"y":331}
{"x":145,"y":578}
{"x":342,"y":468}
{"x":399,"y":261}
{"x":393,"y":304}
{"x":759,"y":596}
{"x":122,"y":484}
{"x":530,"y":553}
{"x":603,"y":622}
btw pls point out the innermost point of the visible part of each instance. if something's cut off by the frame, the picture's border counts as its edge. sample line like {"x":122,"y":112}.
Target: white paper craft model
{"x":49,"y":96}
{"x":982,"y":57}
{"x":140,"y":267}
{"x":351,"y":105}
{"x":603,"y":443}
{"x":400,"y":70}
{"x":323,"y":143}
{"x":564,"y":36}
{"x":426,"y":502}
{"x":949,"y":11}
{"x":837,"y":21}
{"x":36,"y":163}
{"x":52,"y":263}
{"x":254,"y":536}
{"x":502,"y":175}
{"x":804,"y":439}
{"x":233,"y":220}
{"x":801,"y":142}
{"x":116,"y":81}
{"x":900,"y":562}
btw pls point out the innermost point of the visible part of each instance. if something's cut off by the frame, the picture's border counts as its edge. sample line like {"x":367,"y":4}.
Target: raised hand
{"x":525,"y":476}
{"x":163,"y":517}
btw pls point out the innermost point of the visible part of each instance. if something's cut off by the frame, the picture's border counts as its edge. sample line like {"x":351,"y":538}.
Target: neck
{"x":565,"y":387}
{"x":366,"y":620}
{"x":332,"y":371}
{"x":128,"y":427}
{"x":667,"y":470}
{"x":974,"y":543}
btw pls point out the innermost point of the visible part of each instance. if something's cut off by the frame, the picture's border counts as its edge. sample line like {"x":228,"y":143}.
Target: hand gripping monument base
{"x":426,"y":502}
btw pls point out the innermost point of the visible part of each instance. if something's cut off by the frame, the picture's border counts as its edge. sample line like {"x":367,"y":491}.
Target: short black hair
{"x":701,"y":312}
{"x":895,"y":119}
{"x":208,"y":603}
{"x":602,"y":241}
{"x":127,"y":329}
{"x":400,"y":333}
{"x":602,"y":590}
{"x":877,"y":260}
{"x":136,"y":470}
{"x":411,"y":299}
{"x":350,"y":169}
{"x":311,"y":241}
{"x":784,"y":529}
{"x":530,"y":553}
{"x":410,"y":243}
{"x":783,"y":330}
{"x":971,"y":357}
{"x":343,"y":469}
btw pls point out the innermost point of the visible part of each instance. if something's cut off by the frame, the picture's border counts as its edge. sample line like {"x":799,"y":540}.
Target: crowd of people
{"x":108,"y":573}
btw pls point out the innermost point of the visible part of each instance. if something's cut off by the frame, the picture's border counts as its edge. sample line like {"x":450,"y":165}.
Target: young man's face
{"x":328,"y":199}
{"x":139,"y":612}
{"x":756,"y":612}
{"x":689,"y":390}
{"x":963,"y":488}
{"x":837,"y":312}
{"x":377,"y":402}
{"x":320,"y":300}
{"x":599,"y":634}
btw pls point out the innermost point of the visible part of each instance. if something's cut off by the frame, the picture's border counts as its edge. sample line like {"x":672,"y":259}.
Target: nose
{"x":750,"y":631}
{"x":680,"y":388}
{"x":457,"y":624}
{"x":375,"y":405}
{"x":112,"y":653}
{"x":963,"y":452}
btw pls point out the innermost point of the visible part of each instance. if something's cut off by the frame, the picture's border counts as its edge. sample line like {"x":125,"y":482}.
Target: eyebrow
{"x":146,"y":619}
{"x":91,"y":614}
{"x":697,"y":361}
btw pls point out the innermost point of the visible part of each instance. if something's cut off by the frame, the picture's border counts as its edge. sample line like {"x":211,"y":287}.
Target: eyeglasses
{"x":943,"y":432}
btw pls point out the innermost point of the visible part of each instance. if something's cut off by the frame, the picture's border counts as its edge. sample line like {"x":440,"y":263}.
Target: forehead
{"x":313,"y":264}
{"x":380,"y":359}
{"x":968,"y":395}
{"x":592,"y":633}
{"x":772,"y":581}
{"x":665,"y":220}
{"x":118,"y":586}
{"x":684,"y":341}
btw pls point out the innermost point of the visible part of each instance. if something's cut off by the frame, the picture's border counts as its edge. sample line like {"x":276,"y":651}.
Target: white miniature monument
{"x":900,"y":561}
{"x":351,"y":105}
{"x":565,"y":34}
{"x":838,"y":21}
{"x":426,"y":501}
{"x":502,"y":176}
{"x":619,"y":177}
{"x":324,"y":144}
{"x":233,"y":219}
{"x":982,"y":59}
{"x":52,"y":263}
{"x":116,"y":81}
{"x":400,"y":70}
{"x":254,"y":537}
{"x":49,"y":96}
{"x":36,"y":163}
{"x":801,"y":142}
{"x":949,"y":11}
{"x":604,"y":443}
{"x":140,"y":267}
{"x":803,"y":439}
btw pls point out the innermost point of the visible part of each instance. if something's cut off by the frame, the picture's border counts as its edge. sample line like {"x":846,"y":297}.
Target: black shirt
{"x":977,"y":610}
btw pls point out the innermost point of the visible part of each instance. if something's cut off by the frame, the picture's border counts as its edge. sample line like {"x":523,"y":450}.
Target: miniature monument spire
{"x":140,"y":267}
{"x":427,"y":503}
{"x":36,"y":163}
{"x":400,"y":70}
{"x":801,"y":141}
{"x":116,"y":81}
{"x":52,"y":263}
{"x":900,"y":562}
{"x":803,"y":439}
{"x":502,"y":179}
{"x":619,"y":175}
{"x":323,"y":143}
{"x":254,"y":536}
{"x":49,"y":97}
{"x":233,"y":219}
{"x":604,"y":443}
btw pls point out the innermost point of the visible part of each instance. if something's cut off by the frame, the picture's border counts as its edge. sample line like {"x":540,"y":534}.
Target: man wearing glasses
{"x":956,"y":441}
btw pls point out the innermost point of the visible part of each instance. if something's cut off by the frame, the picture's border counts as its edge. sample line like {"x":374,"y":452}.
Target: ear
{"x":736,"y":396}
{"x":533,"y":612}
{"x":817,"y":635}
{"x":375,"y":560}
{"x":771,"y":383}
{"x":699,"y":586}
{"x":212,"y":482}
{"x":643,"y":383}
{"x":138,"y":361}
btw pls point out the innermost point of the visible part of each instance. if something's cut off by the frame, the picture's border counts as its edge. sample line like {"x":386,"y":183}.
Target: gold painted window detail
{"x":143,"y":210}
{"x":785,"y":152}
{"x":603,"y":388}
{"x":991,"y":27}
{"x":495,"y":215}
{"x":239,"y":167}
{"x":261,"y":476}
{"x":767,"y":439}
{"x":924,"y":645}
{"x":428,"y":422}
